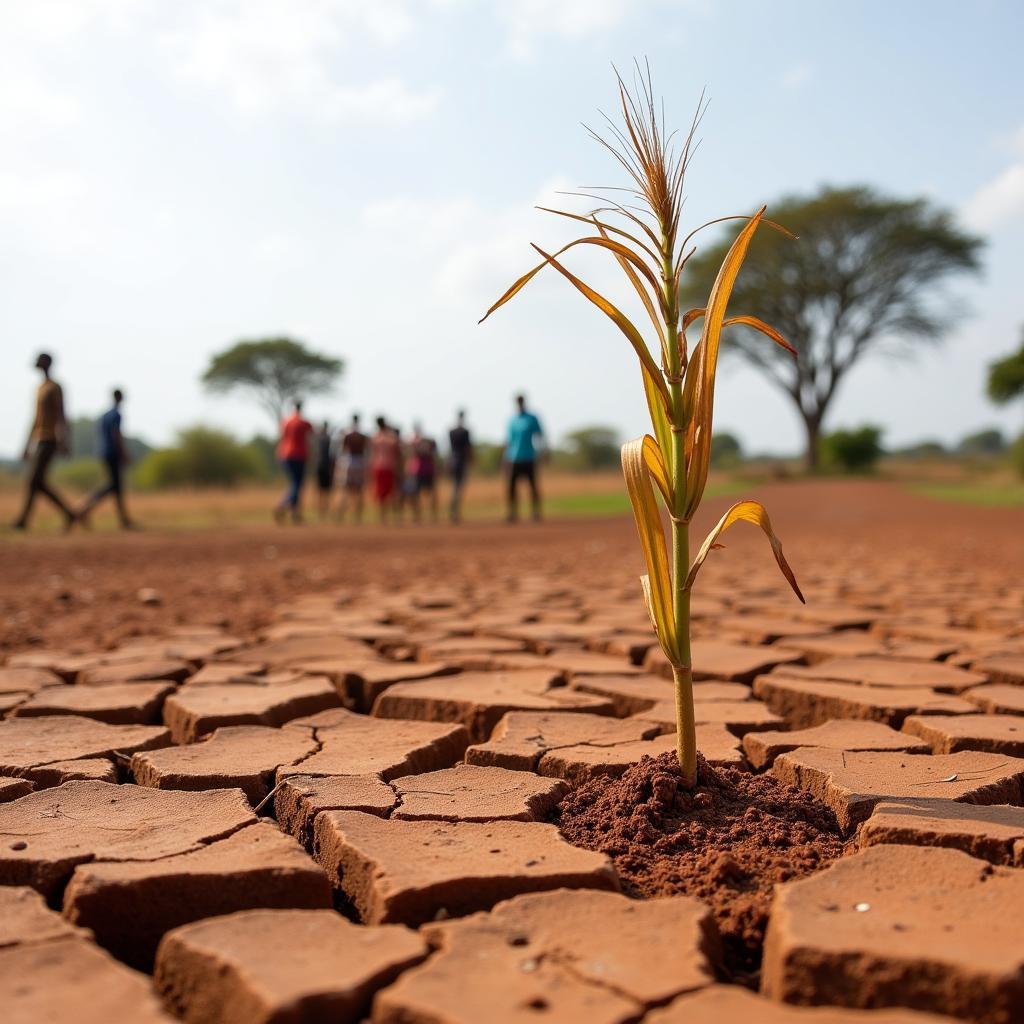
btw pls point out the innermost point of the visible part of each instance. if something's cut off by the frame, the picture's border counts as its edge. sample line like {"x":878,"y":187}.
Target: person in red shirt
{"x":293,"y":451}
{"x":385,"y":459}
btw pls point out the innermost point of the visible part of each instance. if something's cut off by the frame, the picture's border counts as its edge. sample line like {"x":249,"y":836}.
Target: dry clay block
{"x":898,"y":672}
{"x":28,"y":743}
{"x":575,"y":957}
{"x":44,"y":835}
{"x":852,"y":783}
{"x":323,"y":968}
{"x":901,"y":926}
{"x":239,"y":756}
{"x":73,"y":980}
{"x":408,"y":871}
{"x":715,"y":659}
{"x":116,"y":704}
{"x":25,"y":918}
{"x":196,"y":710}
{"x":807,"y":702}
{"x":763,"y":747}
{"x":730,"y":1004}
{"x":946,"y":734}
{"x":352,"y":744}
{"x":300,"y":798}
{"x":477,"y":700}
{"x":994,"y":833}
{"x":129,"y":906}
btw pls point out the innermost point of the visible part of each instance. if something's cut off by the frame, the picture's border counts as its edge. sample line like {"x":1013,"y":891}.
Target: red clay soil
{"x":727,"y":841}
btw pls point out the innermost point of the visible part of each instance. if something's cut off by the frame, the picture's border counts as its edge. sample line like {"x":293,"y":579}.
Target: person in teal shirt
{"x":521,"y":455}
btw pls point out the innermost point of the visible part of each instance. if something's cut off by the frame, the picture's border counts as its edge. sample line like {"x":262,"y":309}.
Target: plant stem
{"x":682,"y":675}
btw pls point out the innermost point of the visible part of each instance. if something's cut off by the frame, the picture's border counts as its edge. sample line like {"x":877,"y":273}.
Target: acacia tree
{"x":864,"y":275}
{"x":274,"y":370}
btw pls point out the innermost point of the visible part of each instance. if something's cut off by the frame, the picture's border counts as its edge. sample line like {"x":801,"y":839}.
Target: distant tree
{"x":274,"y":370}
{"x":852,"y":451}
{"x":1006,"y":378}
{"x":927,"y":449}
{"x":84,"y":440}
{"x":864,"y":273}
{"x":594,"y":448}
{"x":726,"y":449}
{"x":983,"y":442}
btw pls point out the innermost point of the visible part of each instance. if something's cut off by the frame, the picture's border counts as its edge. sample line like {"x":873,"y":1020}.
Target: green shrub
{"x":83,"y":474}
{"x":726,"y":451}
{"x":1017,"y":455}
{"x":203,"y":457}
{"x":852,"y":451}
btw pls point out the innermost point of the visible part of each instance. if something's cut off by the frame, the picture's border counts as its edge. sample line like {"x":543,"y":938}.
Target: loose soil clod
{"x":727,"y":842}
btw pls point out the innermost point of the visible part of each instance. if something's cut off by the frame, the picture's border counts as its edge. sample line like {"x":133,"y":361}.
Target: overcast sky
{"x":178,"y":174}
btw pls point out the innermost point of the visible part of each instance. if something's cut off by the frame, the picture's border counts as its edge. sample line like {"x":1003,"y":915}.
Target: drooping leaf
{"x":658,"y":587}
{"x":620,"y":320}
{"x":760,"y":325}
{"x":591,"y":219}
{"x":658,"y":468}
{"x":699,"y":455}
{"x":659,"y":419}
{"x":751,"y":512}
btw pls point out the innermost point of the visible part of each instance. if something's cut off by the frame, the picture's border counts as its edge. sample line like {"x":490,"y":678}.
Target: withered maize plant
{"x":642,"y":233}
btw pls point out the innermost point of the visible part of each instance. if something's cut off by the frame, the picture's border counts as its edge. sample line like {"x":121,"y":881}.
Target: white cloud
{"x":527,"y":21}
{"x":797,"y":76}
{"x":267,"y":56}
{"x":998,"y":200}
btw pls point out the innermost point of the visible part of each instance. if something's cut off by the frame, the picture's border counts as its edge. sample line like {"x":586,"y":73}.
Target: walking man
{"x":460,"y":448}
{"x":112,"y":450}
{"x":520,"y":456}
{"x":47,"y":438}
{"x":324,"y":468}
{"x":353,"y":470}
{"x":293,"y":451}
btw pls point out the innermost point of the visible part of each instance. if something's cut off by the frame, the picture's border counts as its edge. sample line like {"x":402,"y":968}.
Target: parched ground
{"x":347,"y":746}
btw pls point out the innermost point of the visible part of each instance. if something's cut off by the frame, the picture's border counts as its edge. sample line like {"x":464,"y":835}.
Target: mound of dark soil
{"x":727,"y":842}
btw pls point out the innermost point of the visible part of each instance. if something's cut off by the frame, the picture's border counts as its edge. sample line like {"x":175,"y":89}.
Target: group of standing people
{"x":400,"y":473}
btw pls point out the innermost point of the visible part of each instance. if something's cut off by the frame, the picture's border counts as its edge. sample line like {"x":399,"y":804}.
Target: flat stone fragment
{"x":25,"y":918}
{"x":717,"y":659}
{"x":898,"y":672}
{"x":291,"y":650}
{"x":129,"y":906}
{"x":573,"y":957}
{"x":730,"y":1004}
{"x":763,"y":747}
{"x":738,"y":716}
{"x":946,"y":734}
{"x":196,"y":710}
{"x":216,"y":672}
{"x":853,"y":783}
{"x":32,"y":742}
{"x":27,"y":680}
{"x":92,"y":769}
{"x":407,"y":872}
{"x":522,"y":738}
{"x":323,"y":968}
{"x":901,"y":926}
{"x":471,"y":793}
{"x":352,"y":744}
{"x":584,"y":761}
{"x":12,"y":788}
{"x":73,"y":980}
{"x":145,"y":669}
{"x":994,"y":833}
{"x":362,"y":680}
{"x":807,"y":702}
{"x":1006,"y":668}
{"x":116,"y":704}
{"x":300,"y":798}
{"x":45,"y":834}
{"x":998,"y":698}
{"x":847,"y":643}
{"x":237,"y":756}
{"x":579,"y":664}
{"x":477,"y":700}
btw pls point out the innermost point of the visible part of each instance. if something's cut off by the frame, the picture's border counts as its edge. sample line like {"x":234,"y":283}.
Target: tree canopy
{"x":274,"y":370}
{"x":1006,"y":378}
{"x":864,"y":274}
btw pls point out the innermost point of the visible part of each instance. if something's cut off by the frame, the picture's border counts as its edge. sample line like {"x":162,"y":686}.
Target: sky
{"x":362,"y":175}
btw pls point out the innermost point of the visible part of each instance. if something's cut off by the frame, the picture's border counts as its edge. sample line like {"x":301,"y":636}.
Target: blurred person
{"x":422,"y":471}
{"x":385,"y":460}
{"x":354,"y":444}
{"x":324,"y":467}
{"x":114,"y":454}
{"x":47,"y":437}
{"x":293,"y":453}
{"x":460,"y":458}
{"x":522,"y":450}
